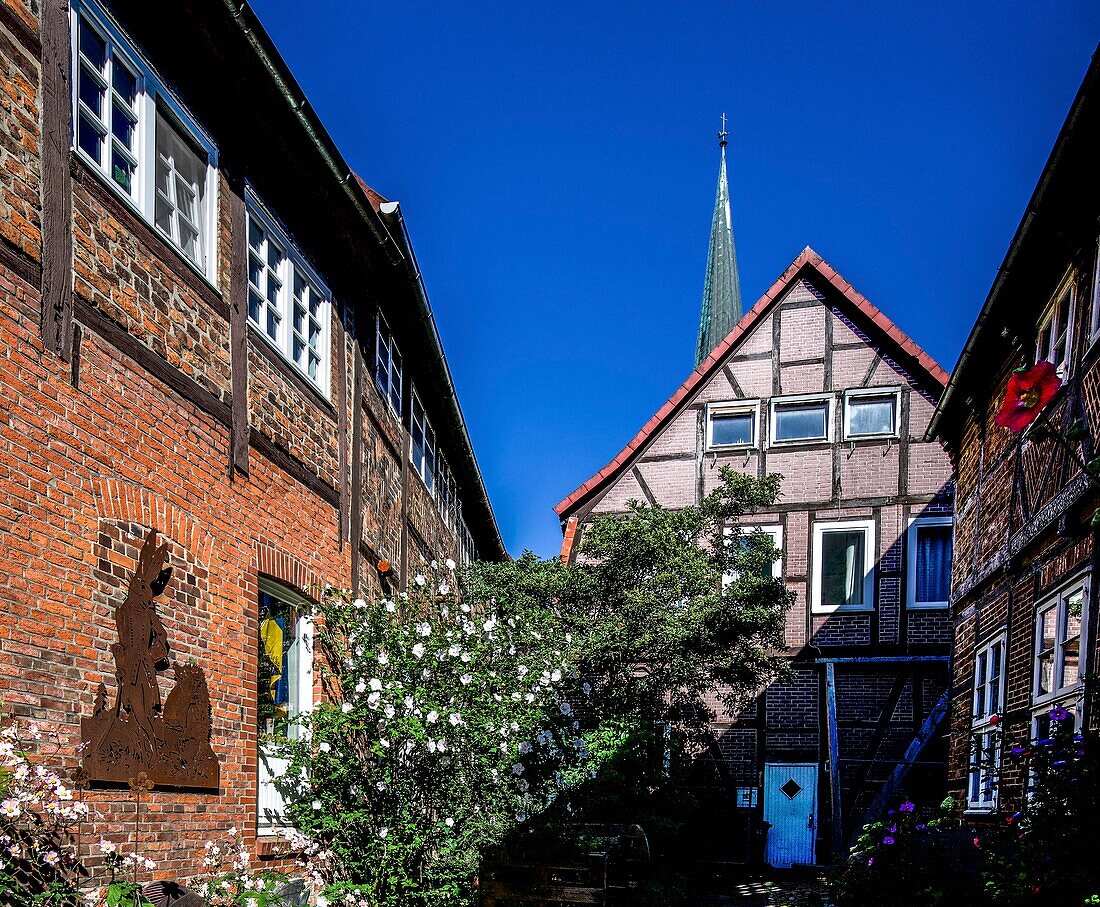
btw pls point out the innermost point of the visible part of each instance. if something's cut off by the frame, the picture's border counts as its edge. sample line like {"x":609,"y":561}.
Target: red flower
{"x":994,"y":719}
{"x":1028,"y":392}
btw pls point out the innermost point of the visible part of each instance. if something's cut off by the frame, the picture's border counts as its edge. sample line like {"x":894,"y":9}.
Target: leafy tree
{"x":456,"y":722}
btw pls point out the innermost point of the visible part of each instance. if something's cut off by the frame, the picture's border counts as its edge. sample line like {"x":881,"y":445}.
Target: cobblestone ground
{"x":773,"y":889}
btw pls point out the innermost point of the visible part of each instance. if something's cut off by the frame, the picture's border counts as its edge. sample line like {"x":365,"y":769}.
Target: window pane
{"x":842,"y":567}
{"x":92,"y":46}
{"x":1071,"y":648}
{"x":798,"y":422}
{"x":995,"y":679}
{"x":731,"y":429}
{"x":124,"y":81}
{"x":122,"y":127}
{"x":180,"y":179}
{"x":1046,"y":673}
{"x":89,"y":139}
{"x":279,"y":667}
{"x":1048,"y":628}
{"x":871,"y":415}
{"x":933,"y":566}
{"x":91,"y":93}
{"x":122,"y":171}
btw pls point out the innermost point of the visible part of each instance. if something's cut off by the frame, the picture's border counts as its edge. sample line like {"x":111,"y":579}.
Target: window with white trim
{"x":1094,"y":315}
{"x":1058,"y":624}
{"x":871,"y":414}
{"x":284,"y":690}
{"x":287,"y":302}
{"x":732,"y":425}
{"x":134,"y":133}
{"x":1055,"y":337}
{"x":446,"y":497}
{"x":928,"y":567}
{"x":467,"y":549}
{"x":843,"y":566}
{"x":985,"y":738}
{"x":387,"y":366}
{"x":744,"y":534}
{"x":423,"y":443}
{"x":797,"y":420}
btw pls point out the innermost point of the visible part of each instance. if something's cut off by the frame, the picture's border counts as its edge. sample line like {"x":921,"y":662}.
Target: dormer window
{"x":1055,"y":331}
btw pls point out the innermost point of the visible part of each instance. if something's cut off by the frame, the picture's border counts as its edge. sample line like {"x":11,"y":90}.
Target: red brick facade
{"x":812,"y":336}
{"x":1022,"y":538}
{"x":169,"y":413}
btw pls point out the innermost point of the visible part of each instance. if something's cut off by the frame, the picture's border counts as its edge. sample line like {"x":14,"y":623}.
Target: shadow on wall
{"x":882,"y":647}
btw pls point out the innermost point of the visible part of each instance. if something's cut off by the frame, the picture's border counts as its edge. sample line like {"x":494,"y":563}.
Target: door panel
{"x":790,"y":805}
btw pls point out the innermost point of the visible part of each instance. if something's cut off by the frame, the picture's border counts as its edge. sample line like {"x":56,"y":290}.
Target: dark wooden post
{"x":57,"y":234}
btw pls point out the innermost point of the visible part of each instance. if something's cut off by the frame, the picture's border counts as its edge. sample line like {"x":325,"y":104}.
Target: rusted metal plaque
{"x":169,"y":740}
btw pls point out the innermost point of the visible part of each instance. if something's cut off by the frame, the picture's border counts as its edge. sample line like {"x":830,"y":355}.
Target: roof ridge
{"x":705,"y":368}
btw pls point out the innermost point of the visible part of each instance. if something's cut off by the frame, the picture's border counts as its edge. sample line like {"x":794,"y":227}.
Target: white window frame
{"x":150,"y":96}
{"x":779,"y":402}
{"x":395,"y":375}
{"x":915,"y":524}
{"x":1066,"y":287}
{"x":427,"y":432}
{"x":1059,"y":601}
{"x":467,"y":549}
{"x":820,"y":529}
{"x":863,"y":392}
{"x":734,"y":408}
{"x":776,"y":533}
{"x":1094,"y":314}
{"x":271,"y":810}
{"x":446,"y":492}
{"x":292,"y":265}
{"x":981,"y":775}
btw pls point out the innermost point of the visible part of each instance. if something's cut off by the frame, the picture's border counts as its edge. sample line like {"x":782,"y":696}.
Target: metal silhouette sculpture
{"x":169,"y":741}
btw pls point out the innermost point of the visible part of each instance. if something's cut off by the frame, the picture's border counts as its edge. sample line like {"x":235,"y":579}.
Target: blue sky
{"x":556,"y":163}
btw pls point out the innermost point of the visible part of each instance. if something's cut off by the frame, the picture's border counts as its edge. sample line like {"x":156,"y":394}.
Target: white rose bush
{"x":447,"y":726}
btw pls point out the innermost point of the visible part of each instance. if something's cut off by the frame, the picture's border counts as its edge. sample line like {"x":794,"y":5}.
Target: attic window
{"x":871,"y":414}
{"x":732,"y":425}
{"x":801,"y":419}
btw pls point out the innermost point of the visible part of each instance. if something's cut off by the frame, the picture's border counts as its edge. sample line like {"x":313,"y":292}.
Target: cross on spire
{"x":722,"y":134}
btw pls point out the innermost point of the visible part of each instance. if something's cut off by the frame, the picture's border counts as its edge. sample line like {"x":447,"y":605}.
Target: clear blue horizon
{"x":557,"y":166}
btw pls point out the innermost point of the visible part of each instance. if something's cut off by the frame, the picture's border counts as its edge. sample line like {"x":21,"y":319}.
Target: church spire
{"x":722,"y":289}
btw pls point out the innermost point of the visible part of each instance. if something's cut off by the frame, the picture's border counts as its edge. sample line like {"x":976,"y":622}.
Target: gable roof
{"x":807,"y":259}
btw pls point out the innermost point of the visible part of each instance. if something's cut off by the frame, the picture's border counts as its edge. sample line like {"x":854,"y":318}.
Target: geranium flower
{"x":908,"y":806}
{"x":888,"y":839}
{"x":1028,"y":392}
{"x":1059,"y":713}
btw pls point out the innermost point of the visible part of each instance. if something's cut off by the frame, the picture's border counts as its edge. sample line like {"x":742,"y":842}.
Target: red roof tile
{"x":806,"y":258}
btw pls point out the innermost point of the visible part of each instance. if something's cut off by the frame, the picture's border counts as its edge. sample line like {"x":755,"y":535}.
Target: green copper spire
{"x":722,"y":290}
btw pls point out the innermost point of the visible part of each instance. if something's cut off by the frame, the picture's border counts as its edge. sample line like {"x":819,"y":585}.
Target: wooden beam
{"x":912,"y":753}
{"x":238,"y":331}
{"x":355,"y":517}
{"x":836,"y":818}
{"x":57,"y":196}
{"x":878,"y":735}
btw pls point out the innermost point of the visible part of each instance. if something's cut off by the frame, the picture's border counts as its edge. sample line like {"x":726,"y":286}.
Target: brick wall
{"x":135,"y":433}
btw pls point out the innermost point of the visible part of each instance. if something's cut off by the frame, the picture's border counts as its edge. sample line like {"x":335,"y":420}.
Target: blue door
{"x":790,"y":805}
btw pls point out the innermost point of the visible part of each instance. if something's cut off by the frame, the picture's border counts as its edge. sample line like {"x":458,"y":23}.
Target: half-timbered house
{"x":814,"y":383}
